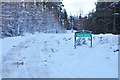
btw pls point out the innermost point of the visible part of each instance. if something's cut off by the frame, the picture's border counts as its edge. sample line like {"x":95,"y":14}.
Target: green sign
{"x":83,"y":33}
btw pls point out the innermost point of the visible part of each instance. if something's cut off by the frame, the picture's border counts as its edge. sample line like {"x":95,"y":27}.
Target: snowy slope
{"x":53,"y":56}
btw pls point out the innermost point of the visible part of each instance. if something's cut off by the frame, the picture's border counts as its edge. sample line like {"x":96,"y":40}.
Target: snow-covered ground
{"x":53,"y":56}
{"x":0,"y":59}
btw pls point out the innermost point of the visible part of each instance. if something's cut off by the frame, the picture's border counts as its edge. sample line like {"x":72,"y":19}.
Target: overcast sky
{"x":74,"y":7}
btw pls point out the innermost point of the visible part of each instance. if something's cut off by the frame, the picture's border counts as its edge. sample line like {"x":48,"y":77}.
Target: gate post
{"x":75,"y":42}
{"x":91,"y":41}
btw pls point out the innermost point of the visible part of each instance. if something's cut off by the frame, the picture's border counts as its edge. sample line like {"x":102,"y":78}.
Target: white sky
{"x":74,"y":7}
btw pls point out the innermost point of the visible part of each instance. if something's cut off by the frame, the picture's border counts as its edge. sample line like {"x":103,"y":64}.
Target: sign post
{"x":83,"y":33}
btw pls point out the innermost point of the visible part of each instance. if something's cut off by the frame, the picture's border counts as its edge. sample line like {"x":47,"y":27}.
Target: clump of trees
{"x":105,"y":19}
{"x":21,"y":17}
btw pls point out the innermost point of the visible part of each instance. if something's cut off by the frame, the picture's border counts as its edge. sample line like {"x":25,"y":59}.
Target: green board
{"x":83,"y":35}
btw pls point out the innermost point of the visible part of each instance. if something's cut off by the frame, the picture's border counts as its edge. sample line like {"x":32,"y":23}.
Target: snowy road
{"x":53,"y":56}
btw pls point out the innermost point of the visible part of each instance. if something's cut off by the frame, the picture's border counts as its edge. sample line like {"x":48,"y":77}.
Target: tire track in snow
{"x":35,"y":66}
{"x":17,"y":53}
{"x":11,"y":58}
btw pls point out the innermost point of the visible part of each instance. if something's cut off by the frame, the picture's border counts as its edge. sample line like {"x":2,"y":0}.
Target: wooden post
{"x":75,"y":42}
{"x":91,"y":41}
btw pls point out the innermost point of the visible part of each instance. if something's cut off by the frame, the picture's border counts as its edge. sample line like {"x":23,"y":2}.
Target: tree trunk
{"x":114,"y":29}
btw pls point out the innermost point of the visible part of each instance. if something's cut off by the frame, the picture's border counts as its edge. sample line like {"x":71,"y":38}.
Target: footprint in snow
{"x":45,"y":65}
{"x":108,"y":59}
{"x":26,"y":46}
{"x":14,"y":46}
{"x":49,"y":55}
